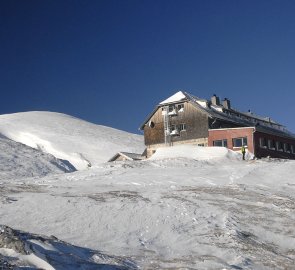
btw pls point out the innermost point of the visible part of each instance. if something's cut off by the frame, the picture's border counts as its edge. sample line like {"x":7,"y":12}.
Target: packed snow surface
{"x":185,"y":208}
{"x":81,"y":143}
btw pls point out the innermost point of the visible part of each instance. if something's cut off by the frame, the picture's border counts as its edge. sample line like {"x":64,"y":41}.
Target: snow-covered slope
{"x":82,"y":143}
{"x":170,"y":212}
{"x":18,"y":160}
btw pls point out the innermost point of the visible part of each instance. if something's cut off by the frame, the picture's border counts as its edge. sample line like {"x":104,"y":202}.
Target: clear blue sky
{"x":110,"y":62}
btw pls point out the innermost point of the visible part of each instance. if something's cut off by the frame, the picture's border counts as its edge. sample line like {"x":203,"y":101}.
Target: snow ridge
{"x":18,"y":160}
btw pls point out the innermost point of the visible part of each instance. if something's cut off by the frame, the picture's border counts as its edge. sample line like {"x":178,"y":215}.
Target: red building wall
{"x":254,"y":144}
{"x":229,"y":134}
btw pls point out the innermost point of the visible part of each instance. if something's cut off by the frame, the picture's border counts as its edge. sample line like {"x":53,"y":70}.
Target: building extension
{"x":187,"y":119}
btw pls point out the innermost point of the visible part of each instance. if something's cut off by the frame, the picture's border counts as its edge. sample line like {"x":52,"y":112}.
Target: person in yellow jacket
{"x":243,"y":150}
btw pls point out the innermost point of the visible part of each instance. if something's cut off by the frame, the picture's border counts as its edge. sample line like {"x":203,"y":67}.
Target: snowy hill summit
{"x":81,"y":143}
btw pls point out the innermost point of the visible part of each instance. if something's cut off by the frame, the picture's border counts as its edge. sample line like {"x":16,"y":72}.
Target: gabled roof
{"x":175,"y":98}
{"x":128,"y":156}
{"x":219,"y":112}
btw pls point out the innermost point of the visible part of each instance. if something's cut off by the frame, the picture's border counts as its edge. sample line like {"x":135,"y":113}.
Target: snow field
{"x":187,"y":207}
{"x":175,"y":212}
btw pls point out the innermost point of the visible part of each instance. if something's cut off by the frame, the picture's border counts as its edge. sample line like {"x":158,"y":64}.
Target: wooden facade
{"x":194,"y":121}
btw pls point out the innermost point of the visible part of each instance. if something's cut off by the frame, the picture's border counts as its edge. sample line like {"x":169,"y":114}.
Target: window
{"x":239,"y":142}
{"x":293,"y":149}
{"x":182,"y":127}
{"x":171,"y":108}
{"x":151,"y":124}
{"x":222,"y":143}
{"x":173,"y":127}
{"x":287,"y":147}
{"x":263,"y":142}
{"x":180,"y":107}
{"x":174,"y":130}
{"x":272,"y":144}
{"x":280,"y":146}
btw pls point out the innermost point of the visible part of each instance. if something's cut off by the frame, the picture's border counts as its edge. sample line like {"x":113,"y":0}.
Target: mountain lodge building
{"x":186,"y":119}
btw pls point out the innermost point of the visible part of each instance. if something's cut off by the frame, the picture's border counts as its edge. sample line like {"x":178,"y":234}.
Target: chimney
{"x":226,"y":103}
{"x":215,"y":100}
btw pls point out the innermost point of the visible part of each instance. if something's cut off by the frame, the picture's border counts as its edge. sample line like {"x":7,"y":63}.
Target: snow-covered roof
{"x":174,"y":98}
{"x":226,"y":114}
{"x":128,"y":156}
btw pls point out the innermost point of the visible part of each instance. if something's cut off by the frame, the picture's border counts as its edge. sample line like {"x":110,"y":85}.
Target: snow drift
{"x":81,"y":143}
{"x":195,"y":152}
{"x":18,"y":160}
